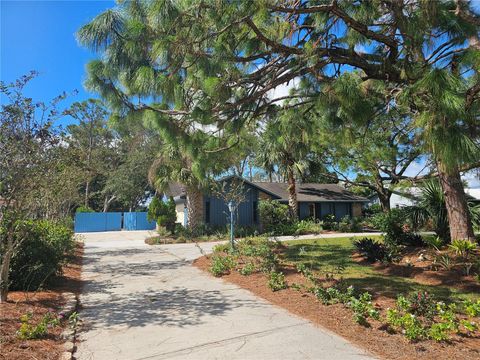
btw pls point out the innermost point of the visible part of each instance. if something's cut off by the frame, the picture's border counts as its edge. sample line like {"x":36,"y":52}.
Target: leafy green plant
{"x":164,"y":213}
{"x":371,"y":249}
{"x":409,"y":323}
{"x":275,"y":216}
{"x":222,"y":265}
{"x":44,"y":247}
{"x":434,"y":241}
{"x":84,"y":209}
{"x":420,"y":303}
{"x":471,"y":308}
{"x":305,"y":227}
{"x":444,"y":262}
{"x":277,"y":281}
{"x":334,"y":294}
{"x":463,"y":247}
{"x":363,"y":309}
{"x":29,"y":331}
{"x":329,"y":222}
{"x":247,"y":269}
{"x":350,"y":224}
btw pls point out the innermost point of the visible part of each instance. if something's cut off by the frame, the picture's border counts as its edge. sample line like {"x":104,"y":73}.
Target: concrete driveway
{"x":149,"y":302}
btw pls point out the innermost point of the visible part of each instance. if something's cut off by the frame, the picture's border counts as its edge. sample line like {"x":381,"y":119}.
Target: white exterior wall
{"x":180,"y":210}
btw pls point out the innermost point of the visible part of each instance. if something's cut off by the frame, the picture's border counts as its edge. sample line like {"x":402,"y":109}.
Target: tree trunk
{"x":87,"y":189}
{"x":456,"y":203}
{"x":194,"y":207}
{"x":292,"y":194}
{"x":107,"y":202}
{"x":5,"y":269}
{"x":384,"y":198}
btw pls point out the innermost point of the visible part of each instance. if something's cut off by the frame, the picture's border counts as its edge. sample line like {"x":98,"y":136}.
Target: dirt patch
{"x":38,"y":303}
{"x":338,"y":319}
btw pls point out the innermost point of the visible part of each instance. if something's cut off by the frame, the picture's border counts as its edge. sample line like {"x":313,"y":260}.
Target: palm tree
{"x":450,"y":130}
{"x":174,"y":165}
{"x":284,"y":146}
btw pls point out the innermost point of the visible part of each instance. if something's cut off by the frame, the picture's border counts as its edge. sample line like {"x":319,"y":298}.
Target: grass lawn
{"x":328,"y":255}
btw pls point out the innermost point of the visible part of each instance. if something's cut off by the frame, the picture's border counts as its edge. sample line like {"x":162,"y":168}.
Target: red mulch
{"x":338,"y":319}
{"x":38,"y":303}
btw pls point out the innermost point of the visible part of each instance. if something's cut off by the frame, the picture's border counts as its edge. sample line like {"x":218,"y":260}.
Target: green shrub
{"x":463,"y":248}
{"x":43,"y":248}
{"x":329,"y":222}
{"x":84,"y":209}
{"x":350,"y":224}
{"x":305,"y":227}
{"x":221,"y":265}
{"x":164,"y":213}
{"x":409,"y":323}
{"x":371,"y":249}
{"x":363,"y":309}
{"x":434,"y":241}
{"x":334,"y":294}
{"x":393,"y":224}
{"x":247,"y":269}
{"x":275,"y":217}
{"x":30,"y":331}
{"x":277,"y":281}
{"x":471,"y":308}
{"x":419,"y":317}
{"x":222,"y":248}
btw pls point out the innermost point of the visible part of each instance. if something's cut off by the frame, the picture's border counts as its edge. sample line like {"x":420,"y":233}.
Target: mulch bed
{"x":338,"y":319}
{"x":38,"y":303}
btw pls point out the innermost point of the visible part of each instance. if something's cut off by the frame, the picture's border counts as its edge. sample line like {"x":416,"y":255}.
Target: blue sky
{"x":40,"y":35}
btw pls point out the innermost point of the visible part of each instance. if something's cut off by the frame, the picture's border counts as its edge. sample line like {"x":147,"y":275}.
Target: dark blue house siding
{"x":339,"y":209}
{"x":219,"y":215}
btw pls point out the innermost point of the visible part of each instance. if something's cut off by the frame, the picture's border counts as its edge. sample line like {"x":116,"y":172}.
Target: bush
{"x":372,"y":250}
{"x":349,"y":224}
{"x":419,"y":317}
{"x":363,"y":309}
{"x":393,"y":224}
{"x":247,"y":269}
{"x":221,"y":265}
{"x":329,"y":222}
{"x":42,"y":251}
{"x":274,"y":216}
{"x":164,"y":213}
{"x":84,"y":209}
{"x":277,"y":281}
{"x":305,"y":227}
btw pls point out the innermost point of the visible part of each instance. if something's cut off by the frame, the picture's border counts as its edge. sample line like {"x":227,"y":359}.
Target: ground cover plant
{"x":32,"y":321}
{"x":390,"y":300}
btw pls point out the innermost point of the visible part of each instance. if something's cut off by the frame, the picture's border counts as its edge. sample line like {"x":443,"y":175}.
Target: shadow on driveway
{"x":174,"y":307}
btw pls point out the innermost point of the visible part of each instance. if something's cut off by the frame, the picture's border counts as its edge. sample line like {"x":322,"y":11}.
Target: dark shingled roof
{"x":310,"y":192}
{"x":175,"y":189}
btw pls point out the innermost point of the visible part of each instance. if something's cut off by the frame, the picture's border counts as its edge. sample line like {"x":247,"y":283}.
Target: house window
{"x":207,"y":212}
{"x":255,"y":212}
{"x":311,"y":210}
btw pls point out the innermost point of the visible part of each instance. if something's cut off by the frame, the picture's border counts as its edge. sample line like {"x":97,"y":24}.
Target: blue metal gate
{"x":112,"y":221}
{"x":137,"y":221}
{"x":90,"y":222}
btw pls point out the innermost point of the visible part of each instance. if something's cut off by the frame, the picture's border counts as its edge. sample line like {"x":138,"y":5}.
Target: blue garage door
{"x":137,"y":221}
{"x":91,"y":222}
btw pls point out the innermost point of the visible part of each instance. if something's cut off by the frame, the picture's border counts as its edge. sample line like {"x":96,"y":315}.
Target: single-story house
{"x":314,"y":201}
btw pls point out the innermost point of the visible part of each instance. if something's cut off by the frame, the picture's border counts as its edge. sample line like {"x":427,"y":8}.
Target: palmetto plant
{"x":431,"y":208}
